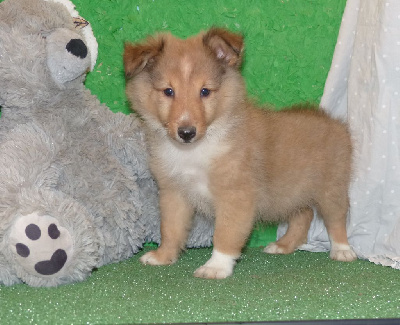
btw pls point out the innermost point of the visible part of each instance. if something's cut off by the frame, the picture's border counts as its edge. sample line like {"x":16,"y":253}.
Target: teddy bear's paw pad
{"x":41,"y":245}
{"x":54,"y":265}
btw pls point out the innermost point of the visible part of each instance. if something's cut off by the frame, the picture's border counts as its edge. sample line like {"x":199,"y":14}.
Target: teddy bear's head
{"x":44,"y":47}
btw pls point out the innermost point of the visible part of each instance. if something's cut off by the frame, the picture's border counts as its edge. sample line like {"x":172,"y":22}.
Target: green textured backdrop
{"x":289,"y":44}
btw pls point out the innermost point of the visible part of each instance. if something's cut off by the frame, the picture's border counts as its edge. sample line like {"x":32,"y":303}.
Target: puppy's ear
{"x":226,"y":46}
{"x":138,"y":56}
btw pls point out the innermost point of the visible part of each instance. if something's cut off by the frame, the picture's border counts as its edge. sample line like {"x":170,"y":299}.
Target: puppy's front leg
{"x":234,"y":221}
{"x":176,"y":216}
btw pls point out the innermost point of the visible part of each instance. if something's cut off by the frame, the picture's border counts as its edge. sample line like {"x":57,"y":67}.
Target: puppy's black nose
{"x":187,"y":133}
{"x":77,"y":47}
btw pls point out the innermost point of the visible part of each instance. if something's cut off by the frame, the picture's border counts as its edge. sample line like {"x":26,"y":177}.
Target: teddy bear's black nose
{"x":77,"y":48}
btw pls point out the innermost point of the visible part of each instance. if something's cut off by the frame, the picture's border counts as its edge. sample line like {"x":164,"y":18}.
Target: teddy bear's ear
{"x":79,"y":22}
{"x":141,"y":55}
{"x":226,"y":46}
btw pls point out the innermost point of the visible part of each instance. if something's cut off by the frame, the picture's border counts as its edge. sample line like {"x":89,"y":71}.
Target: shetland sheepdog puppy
{"x":212,"y":150}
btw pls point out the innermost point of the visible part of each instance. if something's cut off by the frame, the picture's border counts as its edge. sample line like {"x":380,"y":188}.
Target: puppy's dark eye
{"x":169,"y":92}
{"x":204,"y":92}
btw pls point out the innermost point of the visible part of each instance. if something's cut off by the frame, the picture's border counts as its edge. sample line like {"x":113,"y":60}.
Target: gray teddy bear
{"x":75,"y":189}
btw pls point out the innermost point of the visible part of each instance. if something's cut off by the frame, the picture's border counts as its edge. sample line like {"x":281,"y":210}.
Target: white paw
{"x":210,"y":272}
{"x":158,"y":257}
{"x":150,"y":259}
{"x":219,"y":266}
{"x":273,"y":248}
{"x":342,"y":252}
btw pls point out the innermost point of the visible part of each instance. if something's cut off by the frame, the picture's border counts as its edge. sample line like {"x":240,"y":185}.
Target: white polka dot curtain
{"x":363,"y":88}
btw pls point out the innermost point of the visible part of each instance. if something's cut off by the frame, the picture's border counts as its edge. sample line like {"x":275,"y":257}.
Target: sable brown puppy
{"x":212,"y":150}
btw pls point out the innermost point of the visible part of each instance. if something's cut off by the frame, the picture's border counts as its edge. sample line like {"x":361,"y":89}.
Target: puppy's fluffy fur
{"x":211,"y":149}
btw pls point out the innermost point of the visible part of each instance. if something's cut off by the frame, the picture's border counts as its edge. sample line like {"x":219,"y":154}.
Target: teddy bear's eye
{"x":169,"y":92}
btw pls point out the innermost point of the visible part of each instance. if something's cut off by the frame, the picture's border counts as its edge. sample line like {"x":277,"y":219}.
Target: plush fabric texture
{"x":75,"y":189}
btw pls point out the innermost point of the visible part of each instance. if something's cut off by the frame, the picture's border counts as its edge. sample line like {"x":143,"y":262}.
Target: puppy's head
{"x":181,"y":86}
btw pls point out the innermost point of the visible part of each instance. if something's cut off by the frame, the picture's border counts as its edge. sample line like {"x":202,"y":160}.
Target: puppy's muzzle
{"x":187,"y":133}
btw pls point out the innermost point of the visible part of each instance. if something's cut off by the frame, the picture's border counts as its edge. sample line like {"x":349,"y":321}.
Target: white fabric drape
{"x":363,"y":88}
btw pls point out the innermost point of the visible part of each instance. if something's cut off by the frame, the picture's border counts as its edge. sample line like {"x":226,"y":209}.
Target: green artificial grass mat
{"x":300,"y":286}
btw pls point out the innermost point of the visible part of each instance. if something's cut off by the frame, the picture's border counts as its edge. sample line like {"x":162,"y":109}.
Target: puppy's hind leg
{"x":296,"y":234}
{"x":334,"y":216}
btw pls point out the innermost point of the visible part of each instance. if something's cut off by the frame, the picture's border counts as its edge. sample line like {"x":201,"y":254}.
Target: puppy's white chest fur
{"x":188,"y":167}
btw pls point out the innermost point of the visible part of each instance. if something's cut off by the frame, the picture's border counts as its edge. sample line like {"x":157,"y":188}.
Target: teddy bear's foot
{"x":41,"y":246}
